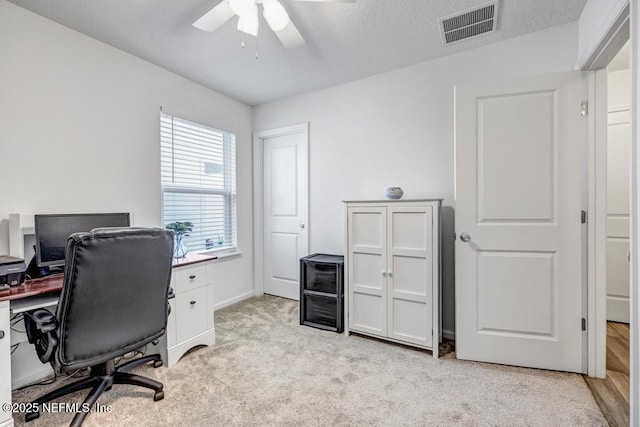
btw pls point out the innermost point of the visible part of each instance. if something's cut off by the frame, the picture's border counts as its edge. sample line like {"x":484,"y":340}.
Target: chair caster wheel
{"x":158,"y":396}
{"x":31,"y":416}
{"x":157,"y":363}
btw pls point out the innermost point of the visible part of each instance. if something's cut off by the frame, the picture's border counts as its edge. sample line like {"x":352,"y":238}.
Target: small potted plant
{"x":181,"y":229}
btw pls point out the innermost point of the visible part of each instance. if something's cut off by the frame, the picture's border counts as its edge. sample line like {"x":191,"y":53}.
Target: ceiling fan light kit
{"x":248,"y":24}
{"x":275,"y":15}
{"x":247,"y":11}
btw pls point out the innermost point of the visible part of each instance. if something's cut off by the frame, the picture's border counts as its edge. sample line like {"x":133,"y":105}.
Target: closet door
{"x":410,"y":274}
{"x":367,"y":257}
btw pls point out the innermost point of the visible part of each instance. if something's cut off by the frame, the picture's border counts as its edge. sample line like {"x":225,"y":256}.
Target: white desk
{"x":190,"y":324}
{"x":5,"y":364}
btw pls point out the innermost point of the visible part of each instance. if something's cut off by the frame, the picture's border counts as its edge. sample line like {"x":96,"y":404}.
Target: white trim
{"x":635,"y":216}
{"x":597,"y":226}
{"x":258,"y":202}
{"x":609,"y":32}
{"x":234,"y":300}
{"x":605,"y":43}
{"x":224,"y":256}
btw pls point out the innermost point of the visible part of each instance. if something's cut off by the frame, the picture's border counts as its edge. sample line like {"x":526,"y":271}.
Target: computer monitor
{"x":53,"y":231}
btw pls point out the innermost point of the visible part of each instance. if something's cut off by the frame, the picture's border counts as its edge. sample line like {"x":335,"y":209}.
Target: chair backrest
{"x":114,"y":298}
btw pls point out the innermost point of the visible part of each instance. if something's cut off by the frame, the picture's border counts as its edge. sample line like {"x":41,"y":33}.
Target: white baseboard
{"x":233,"y":300}
{"x":618,"y":309}
{"x":448,"y":334}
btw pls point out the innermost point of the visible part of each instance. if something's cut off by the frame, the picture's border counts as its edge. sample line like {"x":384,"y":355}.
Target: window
{"x":198,"y":170}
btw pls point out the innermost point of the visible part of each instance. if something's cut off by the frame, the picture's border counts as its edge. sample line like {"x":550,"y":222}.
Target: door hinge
{"x":583,"y":217}
{"x":584,"y":324}
{"x":584,"y":108}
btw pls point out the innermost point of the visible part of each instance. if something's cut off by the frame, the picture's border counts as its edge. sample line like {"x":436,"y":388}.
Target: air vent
{"x":470,"y":23}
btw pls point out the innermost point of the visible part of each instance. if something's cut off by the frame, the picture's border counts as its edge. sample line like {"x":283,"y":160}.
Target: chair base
{"x":101,"y":379}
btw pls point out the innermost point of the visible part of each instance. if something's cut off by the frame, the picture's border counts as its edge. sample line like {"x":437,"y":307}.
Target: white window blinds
{"x":198,"y":169}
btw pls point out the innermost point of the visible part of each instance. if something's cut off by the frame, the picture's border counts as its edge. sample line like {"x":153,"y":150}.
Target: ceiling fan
{"x":247,"y":11}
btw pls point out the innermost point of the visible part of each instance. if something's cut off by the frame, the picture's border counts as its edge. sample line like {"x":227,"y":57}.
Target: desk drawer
{"x":191,"y":314}
{"x":190,"y":277}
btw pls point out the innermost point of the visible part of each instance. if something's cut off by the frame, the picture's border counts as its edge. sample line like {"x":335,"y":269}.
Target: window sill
{"x":222,"y":256}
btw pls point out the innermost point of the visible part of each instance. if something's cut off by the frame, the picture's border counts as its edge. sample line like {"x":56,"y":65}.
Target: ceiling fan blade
{"x":214,"y":19}
{"x":290,"y":36}
{"x":330,"y":1}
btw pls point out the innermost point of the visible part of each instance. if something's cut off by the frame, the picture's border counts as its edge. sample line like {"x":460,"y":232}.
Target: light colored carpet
{"x":267,"y":370}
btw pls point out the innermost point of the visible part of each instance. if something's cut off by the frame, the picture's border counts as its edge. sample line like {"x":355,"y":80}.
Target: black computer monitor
{"x":52,"y":232}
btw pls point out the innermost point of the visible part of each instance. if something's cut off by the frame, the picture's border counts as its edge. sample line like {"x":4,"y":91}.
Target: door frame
{"x":611,"y":39}
{"x":258,"y":200}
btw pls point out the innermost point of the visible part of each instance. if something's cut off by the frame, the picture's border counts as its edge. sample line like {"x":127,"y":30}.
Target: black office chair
{"x":114,"y":301}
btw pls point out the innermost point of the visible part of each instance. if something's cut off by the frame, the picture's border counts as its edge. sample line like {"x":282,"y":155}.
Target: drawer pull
{"x":192,"y":303}
{"x":193,"y":276}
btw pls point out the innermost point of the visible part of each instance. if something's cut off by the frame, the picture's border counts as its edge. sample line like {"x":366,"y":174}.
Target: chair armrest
{"x":44,"y":320}
{"x":41,"y":326}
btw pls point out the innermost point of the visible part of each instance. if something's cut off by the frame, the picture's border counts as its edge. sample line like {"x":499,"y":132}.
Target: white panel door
{"x":410,"y":274}
{"x":518,"y":203}
{"x":285,"y":212}
{"x":367,"y":269}
{"x":618,"y":178}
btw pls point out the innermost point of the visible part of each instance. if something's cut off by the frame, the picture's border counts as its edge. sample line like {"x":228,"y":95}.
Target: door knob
{"x":301,"y":226}
{"x":465,"y":237}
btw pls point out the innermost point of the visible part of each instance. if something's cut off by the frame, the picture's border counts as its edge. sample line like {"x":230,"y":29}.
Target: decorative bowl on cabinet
{"x":394,"y":193}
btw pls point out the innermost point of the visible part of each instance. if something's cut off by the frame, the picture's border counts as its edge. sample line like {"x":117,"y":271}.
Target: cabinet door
{"x":367,"y":269}
{"x":410,"y":274}
{"x":191,"y":314}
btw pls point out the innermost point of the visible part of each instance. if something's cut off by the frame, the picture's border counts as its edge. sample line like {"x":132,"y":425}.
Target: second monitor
{"x":52,"y":232}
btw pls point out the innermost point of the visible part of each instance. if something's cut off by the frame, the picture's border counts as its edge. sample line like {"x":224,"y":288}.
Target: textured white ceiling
{"x":345,"y":41}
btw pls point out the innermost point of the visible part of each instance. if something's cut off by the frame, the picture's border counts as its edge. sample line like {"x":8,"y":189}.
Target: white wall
{"x":396,"y":129}
{"x":618,"y":88}
{"x":79,"y":132}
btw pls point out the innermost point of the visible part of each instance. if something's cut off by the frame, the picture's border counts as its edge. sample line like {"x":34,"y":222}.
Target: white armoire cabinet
{"x":393,"y":271}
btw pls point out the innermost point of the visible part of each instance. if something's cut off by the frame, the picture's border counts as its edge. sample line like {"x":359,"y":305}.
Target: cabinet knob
{"x":192,"y":303}
{"x":1,"y":334}
{"x":193,"y":276}
{"x":390,"y":274}
{"x":384,"y":273}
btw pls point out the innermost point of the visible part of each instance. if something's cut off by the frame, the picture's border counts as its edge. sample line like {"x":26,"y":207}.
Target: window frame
{"x":229,"y":193}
